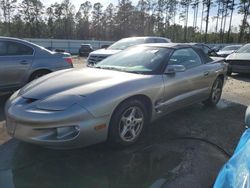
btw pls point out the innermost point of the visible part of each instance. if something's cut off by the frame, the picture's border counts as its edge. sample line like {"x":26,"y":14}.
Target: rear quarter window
{"x":3,"y":48}
{"x":15,"y":48}
{"x":203,"y":55}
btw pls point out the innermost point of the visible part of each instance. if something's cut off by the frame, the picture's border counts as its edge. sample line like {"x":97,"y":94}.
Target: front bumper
{"x":71,"y":128}
{"x":239,"y":68}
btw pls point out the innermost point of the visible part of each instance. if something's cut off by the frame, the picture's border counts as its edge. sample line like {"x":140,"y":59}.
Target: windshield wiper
{"x":104,"y":67}
{"x":135,"y":72}
{"x":112,"y":68}
{"x":117,"y":69}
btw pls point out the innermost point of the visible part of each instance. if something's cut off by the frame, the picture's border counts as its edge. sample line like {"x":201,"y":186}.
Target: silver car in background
{"x":98,"y":55}
{"x":227,"y":50}
{"x":22,"y":62}
{"x":239,"y":61}
{"x":115,"y":99}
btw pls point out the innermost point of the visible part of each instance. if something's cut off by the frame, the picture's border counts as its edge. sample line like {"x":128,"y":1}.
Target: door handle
{"x":24,"y":62}
{"x":206,"y":73}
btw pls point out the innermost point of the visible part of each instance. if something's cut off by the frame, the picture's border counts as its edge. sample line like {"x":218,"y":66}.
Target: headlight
{"x":59,"y":102}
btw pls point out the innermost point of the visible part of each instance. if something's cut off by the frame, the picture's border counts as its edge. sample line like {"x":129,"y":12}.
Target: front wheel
{"x":127,"y":123}
{"x":215,"y":94}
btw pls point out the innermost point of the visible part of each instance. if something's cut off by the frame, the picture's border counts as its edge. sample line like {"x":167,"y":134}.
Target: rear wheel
{"x":229,"y":73}
{"x":127,"y":123}
{"x":215,"y":94}
{"x":38,"y":74}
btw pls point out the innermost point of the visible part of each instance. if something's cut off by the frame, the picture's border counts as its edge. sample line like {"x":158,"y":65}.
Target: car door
{"x":15,"y":61}
{"x":189,"y":86}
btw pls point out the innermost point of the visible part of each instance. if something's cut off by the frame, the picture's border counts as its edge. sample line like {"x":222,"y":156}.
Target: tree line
{"x":169,"y":18}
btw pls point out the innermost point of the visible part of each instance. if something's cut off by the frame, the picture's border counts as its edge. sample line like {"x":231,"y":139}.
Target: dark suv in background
{"x":85,"y":49}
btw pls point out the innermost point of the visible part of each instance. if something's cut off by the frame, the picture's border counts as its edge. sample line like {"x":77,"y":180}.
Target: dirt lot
{"x":186,"y":147}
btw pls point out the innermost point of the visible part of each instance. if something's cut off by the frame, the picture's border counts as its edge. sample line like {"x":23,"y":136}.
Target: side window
{"x":186,"y":57}
{"x":14,"y":48}
{"x":161,"y":41}
{"x":150,"y":40}
{"x":3,"y":48}
{"x":206,"y":49}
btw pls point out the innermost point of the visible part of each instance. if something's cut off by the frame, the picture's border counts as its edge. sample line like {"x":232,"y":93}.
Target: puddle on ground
{"x":148,"y":166}
{"x":158,"y":159}
{"x":39,"y":167}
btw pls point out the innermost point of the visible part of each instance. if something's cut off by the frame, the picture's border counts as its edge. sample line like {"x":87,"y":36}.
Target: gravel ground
{"x":79,"y":62}
{"x":237,"y":89}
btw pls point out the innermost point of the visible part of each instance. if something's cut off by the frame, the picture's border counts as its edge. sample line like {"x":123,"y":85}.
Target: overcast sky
{"x":235,"y":21}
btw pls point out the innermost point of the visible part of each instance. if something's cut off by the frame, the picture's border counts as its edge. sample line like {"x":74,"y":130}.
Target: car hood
{"x":82,"y":82}
{"x":104,"y":52}
{"x":239,"y":56}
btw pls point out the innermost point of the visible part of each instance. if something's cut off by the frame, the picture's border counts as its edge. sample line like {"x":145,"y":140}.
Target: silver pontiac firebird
{"x":115,"y":99}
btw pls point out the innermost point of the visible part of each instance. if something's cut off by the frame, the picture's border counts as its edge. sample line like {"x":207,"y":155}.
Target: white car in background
{"x":224,"y":52}
{"x":98,"y":55}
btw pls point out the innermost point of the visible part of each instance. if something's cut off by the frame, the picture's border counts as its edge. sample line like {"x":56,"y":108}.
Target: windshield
{"x":125,"y":43}
{"x":138,"y":59}
{"x":244,"y":49}
{"x":228,"y":48}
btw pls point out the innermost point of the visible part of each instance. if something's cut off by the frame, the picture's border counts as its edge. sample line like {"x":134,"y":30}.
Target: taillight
{"x":68,"y":60}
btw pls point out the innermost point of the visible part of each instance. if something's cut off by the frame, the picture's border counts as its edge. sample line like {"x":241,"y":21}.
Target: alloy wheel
{"x":216,"y":92}
{"x":131,"y":124}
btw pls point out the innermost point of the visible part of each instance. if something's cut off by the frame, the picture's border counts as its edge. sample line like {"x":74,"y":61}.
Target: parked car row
{"x":98,"y":55}
{"x":238,"y":55}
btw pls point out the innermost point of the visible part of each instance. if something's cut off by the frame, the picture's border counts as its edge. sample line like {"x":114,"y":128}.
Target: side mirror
{"x":172,"y":69}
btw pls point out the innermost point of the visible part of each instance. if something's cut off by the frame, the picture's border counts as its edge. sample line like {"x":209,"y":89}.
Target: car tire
{"x":215,"y":93}
{"x":38,"y":74}
{"x":128,"y":123}
{"x":229,"y":73}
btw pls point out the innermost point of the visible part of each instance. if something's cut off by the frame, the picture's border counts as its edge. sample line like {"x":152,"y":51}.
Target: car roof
{"x":13,"y":39}
{"x":147,"y":37}
{"x":195,"y":43}
{"x":168,"y":45}
{"x":21,"y":41}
